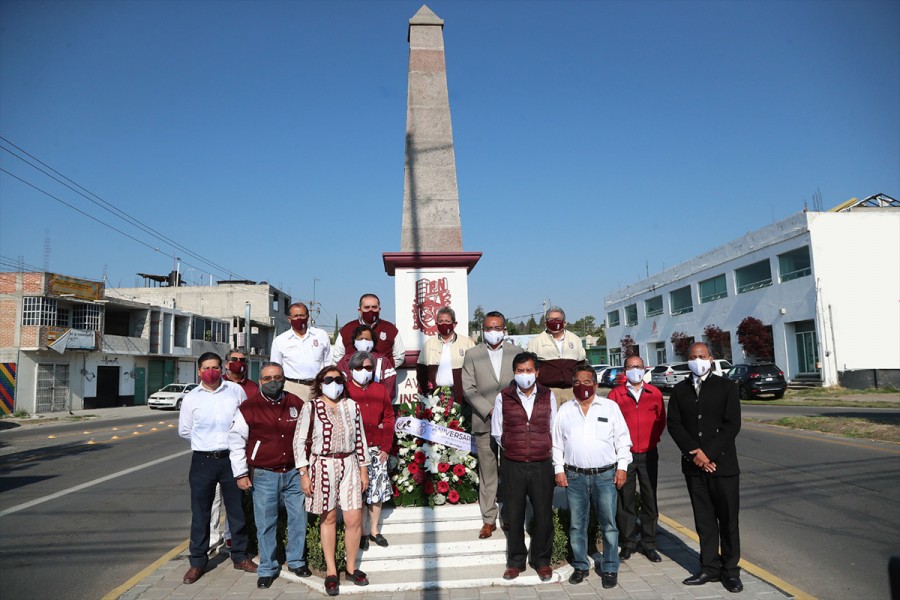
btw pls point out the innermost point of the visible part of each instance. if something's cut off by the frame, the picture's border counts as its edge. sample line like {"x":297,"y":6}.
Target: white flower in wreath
{"x":440,"y":499}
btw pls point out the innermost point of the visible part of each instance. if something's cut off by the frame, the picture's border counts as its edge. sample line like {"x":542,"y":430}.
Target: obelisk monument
{"x":431,"y":270}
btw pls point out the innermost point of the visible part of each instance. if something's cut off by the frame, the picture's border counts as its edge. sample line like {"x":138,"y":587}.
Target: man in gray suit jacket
{"x":486,"y":370}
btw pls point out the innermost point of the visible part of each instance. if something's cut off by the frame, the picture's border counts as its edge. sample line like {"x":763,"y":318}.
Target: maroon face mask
{"x":370,"y":316}
{"x":298,"y":323}
{"x":236,"y":367}
{"x":555,"y":325}
{"x":583,"y":392}
{"x":445,"y":328}
{"x":210,"y":376}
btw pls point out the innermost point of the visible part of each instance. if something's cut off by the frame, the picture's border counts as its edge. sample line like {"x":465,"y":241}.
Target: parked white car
{"x":170,"y":396}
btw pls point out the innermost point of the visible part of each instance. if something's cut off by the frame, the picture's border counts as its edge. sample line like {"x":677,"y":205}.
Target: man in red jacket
{"x":261,"y":444}
{"x":645,"y":414}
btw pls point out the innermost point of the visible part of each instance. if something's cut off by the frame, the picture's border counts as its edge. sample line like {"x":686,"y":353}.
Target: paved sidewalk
{"x":639,"y":579}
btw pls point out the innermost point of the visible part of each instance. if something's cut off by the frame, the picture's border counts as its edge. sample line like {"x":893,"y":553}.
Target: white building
{"x":827,"y":283}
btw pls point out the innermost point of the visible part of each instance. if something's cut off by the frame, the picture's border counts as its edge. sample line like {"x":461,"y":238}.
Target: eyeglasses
{"x":339,"y":379}
{"x":269,"y":378}
{"x":366,"y":367}
{"x":237,"y":359}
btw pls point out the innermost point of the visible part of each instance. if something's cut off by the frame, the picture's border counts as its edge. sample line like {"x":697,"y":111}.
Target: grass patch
{"x":883,"y":429}
{"x":836,"y":396}
{"x":836,"y":402}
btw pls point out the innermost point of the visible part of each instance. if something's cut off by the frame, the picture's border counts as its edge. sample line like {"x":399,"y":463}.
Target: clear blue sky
{"x":593,"y":139}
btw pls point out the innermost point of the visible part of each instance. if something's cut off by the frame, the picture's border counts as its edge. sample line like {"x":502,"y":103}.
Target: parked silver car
{"x":666,"y":375}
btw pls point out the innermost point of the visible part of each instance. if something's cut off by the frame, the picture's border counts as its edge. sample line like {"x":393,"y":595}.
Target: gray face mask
{"x":272,"y":389}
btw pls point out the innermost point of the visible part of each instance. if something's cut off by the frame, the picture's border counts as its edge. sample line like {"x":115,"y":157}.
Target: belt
{"x":336,"y":455}
{"x":215,"y":454}
{"x":591,"y":471}
{"x":274,"y":469}
{"x":301,"y":381}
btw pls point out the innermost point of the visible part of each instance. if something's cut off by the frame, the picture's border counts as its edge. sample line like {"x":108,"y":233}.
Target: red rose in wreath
{"x":418,"y":478}
{"x":428,"y":414}
{"x":454,"y":424}
{"x":443,"y":486}
{"x":459,"y":470}
{"x":413,"y":468}
{"x":396,"y":492}
{"x":420,"y":442}
{"x":443,"y":467}
{"x":453,"y":496}
{"x":429,"y":487}
{"x":419,"y":458}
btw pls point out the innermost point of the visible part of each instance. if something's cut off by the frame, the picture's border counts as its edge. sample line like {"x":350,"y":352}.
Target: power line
{"x":109,"y":207}
{"x":89,"y":216}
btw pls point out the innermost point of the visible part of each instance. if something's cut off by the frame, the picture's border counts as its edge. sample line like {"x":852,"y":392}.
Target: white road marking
{"x":78,"y":488}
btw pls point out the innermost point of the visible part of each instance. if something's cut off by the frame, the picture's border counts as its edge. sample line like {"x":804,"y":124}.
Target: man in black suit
{"x":704,"y":420}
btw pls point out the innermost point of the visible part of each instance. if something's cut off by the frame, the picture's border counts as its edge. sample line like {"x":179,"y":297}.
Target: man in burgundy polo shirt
{"x":261,"y":441}
{"x":387,"y":337}
{"x":645,"y":414}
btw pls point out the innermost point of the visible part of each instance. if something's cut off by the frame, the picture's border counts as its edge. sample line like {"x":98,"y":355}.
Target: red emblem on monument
{"x":430,"y":296}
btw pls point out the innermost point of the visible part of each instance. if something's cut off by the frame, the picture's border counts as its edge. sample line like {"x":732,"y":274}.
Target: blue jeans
{"x":600,"y":491}
{"x":269,"y":490}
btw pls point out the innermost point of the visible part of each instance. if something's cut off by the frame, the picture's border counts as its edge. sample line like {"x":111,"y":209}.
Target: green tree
{"x":476,"y":323}
{"x":512,"y":328}
{"x":532,"y":326}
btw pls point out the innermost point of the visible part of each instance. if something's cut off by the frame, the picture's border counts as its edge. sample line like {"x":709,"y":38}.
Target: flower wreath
{"x":431,"y":473}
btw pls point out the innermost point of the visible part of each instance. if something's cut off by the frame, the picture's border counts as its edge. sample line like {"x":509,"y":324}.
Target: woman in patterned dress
{"x":378,"y":422}
{"x":335,"y":473}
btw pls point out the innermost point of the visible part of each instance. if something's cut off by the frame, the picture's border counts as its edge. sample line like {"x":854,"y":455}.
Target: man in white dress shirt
{"x":591,"y":453}
{"x":302,"y":351}
{"x":206,"y":415}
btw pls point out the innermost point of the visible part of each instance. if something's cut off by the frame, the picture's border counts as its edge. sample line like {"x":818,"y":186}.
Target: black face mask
{"x":272,"y":389}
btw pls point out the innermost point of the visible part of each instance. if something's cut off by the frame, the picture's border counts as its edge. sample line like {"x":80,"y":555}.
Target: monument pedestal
{"x":423,"y":283}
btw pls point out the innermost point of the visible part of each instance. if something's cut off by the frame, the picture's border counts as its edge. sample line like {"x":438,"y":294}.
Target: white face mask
{"x":333,"y":390}
{"x":525,"y":380}
{"x":364,"y":345}
{"x":635,"y":375}
{"x":361,"y":376}
{"x":699,"y":366}
{"x":493,"y":337}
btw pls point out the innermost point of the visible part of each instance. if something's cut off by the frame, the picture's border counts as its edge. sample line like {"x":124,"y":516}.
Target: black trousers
{"x":532,"y":481}
{"x":716,"y":501}
{"x":205,"y":473}
{"x":642,"y":471}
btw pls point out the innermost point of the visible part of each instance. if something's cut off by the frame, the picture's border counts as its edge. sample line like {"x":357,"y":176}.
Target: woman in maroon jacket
{"x":378,"y":422}
{"x":383,"y":372}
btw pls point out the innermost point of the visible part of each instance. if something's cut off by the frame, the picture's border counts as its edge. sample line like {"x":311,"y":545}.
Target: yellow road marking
{"x":147,"y":571}
{"x":754,"y":570}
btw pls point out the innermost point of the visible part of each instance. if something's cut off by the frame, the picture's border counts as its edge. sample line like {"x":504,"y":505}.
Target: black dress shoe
{"x":626,"y":553}
{"x":379,"y":539}
{"x":732,"y":584}
{"x":699,"y":579}
{"x":609,"y":580}
{"x":301,"y":571}
{"x":652,"y":555}
{"x":264,"y":583}
{"x":577,"y":576}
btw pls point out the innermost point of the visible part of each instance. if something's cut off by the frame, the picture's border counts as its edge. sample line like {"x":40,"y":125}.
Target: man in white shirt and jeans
{"x":206,"y":415}
{"x":591,"y":453}
{"x":302,"y":351}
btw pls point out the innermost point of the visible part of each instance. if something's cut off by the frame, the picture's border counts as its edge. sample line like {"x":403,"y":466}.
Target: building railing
{"x":796,"y":274}
{"x":749,"y":287}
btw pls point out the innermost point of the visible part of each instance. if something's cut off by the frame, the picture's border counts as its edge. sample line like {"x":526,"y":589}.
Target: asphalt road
{"x":86,"y":543}
{"x":821,"y":512}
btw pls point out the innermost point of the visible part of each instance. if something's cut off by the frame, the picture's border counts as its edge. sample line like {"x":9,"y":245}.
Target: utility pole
{"x":314,"y":307}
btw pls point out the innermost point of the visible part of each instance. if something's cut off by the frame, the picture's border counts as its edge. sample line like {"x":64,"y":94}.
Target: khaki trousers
{"x":304,"y":392}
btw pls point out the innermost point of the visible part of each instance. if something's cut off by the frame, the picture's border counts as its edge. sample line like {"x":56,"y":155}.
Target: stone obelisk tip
{"x":431,"y":220}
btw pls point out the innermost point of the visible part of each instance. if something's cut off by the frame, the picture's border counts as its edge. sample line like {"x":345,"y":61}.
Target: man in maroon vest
{"x":522,"y":423}
{"x":387,"y":338}
{"x":261,"y":441}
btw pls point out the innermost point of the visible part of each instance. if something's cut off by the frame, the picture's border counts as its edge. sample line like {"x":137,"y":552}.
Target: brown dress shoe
{"x":545,"y":573}
{"x":511,"y":573}
{"x":246,"y":565}
{"x":192,"y":575}
{"x":486,"y":530}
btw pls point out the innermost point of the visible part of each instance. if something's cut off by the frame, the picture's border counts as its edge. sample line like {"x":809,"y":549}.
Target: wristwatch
{"x":302,"y":472}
